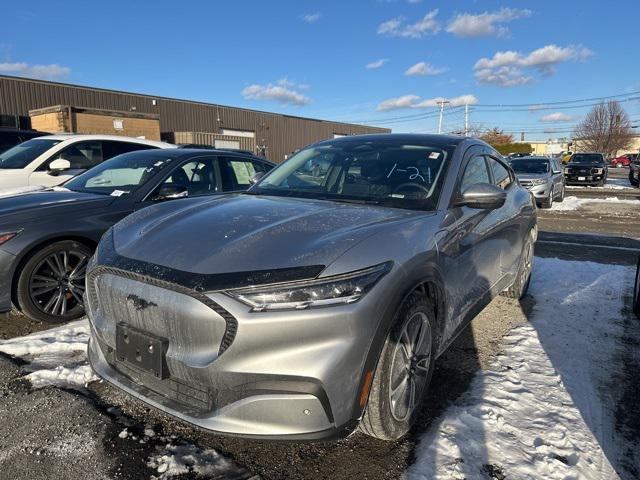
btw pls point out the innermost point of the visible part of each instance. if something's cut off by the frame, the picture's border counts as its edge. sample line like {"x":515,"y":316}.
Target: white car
{"x":53,"y":159}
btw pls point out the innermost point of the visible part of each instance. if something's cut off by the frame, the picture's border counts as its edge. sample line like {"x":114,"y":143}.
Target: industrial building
{"x":55,"y":107}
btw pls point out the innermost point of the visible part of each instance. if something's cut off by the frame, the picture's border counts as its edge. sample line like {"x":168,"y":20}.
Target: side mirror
{"x":170,"y":192}
{"x":482,"y":196}
{"x":58,"y":166}
{"x":256,"y":177}
{"x":556,"y":172}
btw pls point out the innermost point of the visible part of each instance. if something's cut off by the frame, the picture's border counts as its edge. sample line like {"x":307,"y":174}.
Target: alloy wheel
{"x":57,"y":283}
{"x":410,"y":366}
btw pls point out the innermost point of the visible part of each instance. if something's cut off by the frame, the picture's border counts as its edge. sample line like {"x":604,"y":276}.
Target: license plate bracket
{"x":582,"y":179}
{"x":142,"y":350}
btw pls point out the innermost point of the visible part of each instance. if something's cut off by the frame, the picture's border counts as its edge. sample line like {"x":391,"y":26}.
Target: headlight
{"x":598,"y":170}
{"x":322,"y":292}
{"x":538,"y":181}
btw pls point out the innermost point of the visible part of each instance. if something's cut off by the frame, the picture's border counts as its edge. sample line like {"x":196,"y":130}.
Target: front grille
{"x":95,"y":306}
{"x":526,"y":183}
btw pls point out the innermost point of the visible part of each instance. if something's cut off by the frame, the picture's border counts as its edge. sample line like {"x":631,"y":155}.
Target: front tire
{"x":548,"y":203}
{"x":404,"y":371}
{"x":562,"y":192}
{"x":51,"y":283}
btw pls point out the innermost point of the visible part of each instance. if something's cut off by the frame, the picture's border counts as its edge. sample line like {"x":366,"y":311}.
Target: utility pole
{"x":441,"y":103}
{"x":466,"y":119}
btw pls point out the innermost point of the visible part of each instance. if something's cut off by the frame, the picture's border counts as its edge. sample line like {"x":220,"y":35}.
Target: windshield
{"x":23,"y":154}
{"x":530,"y":166}
{"x":120,"y":175}
{"x":587,"y":158}
{"x":384,"y":172}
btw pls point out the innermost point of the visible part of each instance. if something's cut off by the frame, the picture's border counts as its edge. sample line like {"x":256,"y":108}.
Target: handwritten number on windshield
{"x":412,"y":176}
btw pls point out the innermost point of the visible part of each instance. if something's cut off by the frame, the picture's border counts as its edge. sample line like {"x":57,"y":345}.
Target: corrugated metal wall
{"x":281,"y":134}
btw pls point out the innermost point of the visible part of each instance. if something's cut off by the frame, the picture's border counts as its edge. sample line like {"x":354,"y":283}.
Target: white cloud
{"x":509,"y":68}
{"x":406,"y":101}
{"x":423,"y":69}
{"x":23,"y":69}
{"x":284,"y":92}
{"x":396,"y":27}
{"x":556,"y":117}
{"x":414,"y":101}
{"x":311,"y":17}
{"x":485,"y":24}
{"x":376,"y":64}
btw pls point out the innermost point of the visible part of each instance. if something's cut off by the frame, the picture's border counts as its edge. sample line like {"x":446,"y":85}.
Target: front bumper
{"x":541,"y":192}
{"x":293,"y":375}
{"x":584,"y":178}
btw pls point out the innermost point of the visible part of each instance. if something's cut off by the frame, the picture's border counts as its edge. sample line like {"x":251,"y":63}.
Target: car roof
{"x":531,"y":158}
{"x":117,"y":138}
{"x":183,"y":153}
{"x":435,"y":140}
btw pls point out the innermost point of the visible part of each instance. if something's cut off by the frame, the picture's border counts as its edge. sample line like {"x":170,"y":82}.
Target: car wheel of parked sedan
{"x":523,"y":277}
{"x":636,"y":291}
{"x":51,"y":284}
{"x":404,"y":371}
{"x":548,"y":203}
{"x":562,"y":191}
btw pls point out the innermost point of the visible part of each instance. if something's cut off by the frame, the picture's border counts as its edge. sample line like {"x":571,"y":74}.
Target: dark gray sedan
{"x":47,"y":236}
{"x":320,"y":299}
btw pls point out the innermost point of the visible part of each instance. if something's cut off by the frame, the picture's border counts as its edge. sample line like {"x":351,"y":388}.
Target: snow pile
{"x":575,"y":203}
{"x":610,"y":184}
{"x":55,"y":357}
{"x":539,"y":413}
{"x":180,"y":458}
{"x":10,"y":192}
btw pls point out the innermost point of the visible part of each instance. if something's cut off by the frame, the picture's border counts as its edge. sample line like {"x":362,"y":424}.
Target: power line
{"x":564,"y":102}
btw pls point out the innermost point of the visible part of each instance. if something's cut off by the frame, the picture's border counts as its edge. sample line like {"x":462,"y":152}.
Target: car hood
{"x":44,"y":202}
{"x":13,"y":177}
{"x":239,"y":233}
{"x":532,"y":176}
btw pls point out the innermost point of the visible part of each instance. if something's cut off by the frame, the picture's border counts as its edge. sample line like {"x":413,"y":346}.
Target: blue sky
{"x":310,"y":57}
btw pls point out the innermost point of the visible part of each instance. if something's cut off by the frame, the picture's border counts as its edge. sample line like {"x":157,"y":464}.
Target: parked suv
{"x":318,"y":300}
{"x":10,"y":137}
{"x":53,"y":159}
{"x":543,"y":177}
{"x":586,"y":169}
{"x":634,"y":171}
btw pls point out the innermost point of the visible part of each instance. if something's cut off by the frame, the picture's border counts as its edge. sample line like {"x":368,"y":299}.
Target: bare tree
{"x":606,"y":129}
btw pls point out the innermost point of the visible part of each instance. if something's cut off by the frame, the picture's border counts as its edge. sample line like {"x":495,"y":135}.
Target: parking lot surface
{"x":505,"y":386}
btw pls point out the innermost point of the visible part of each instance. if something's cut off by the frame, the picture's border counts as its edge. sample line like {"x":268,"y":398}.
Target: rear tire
{"x":520,"y":285}
{"x":404,"y":371}
{"x":548,"y":203}
{"x":561,"y":198}
{"x":51,"y":283}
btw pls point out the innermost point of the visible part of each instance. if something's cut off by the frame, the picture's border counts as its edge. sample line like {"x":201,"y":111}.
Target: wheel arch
{"x":428,"y":281}
{"x":28,"y":252}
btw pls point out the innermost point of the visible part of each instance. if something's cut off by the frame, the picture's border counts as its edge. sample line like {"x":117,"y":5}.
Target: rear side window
{"x":501,"y":176}
{"x":111,"y":149}
{"x":82,"y":155}
{"x":476,"y":172}
{"x":236,"y":172}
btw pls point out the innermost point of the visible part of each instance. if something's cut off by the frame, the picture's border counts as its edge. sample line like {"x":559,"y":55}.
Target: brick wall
{"x":49,"y":122}
{"x":104,"y":124}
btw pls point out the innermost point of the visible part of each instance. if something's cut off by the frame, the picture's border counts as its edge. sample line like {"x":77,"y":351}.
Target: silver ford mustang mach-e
{"x":319,"y":300}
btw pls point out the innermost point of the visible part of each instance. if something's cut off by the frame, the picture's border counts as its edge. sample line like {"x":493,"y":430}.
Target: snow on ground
{"x":575,"y":203}
{"x":57,"y":356}
{"x":546,"y":408}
